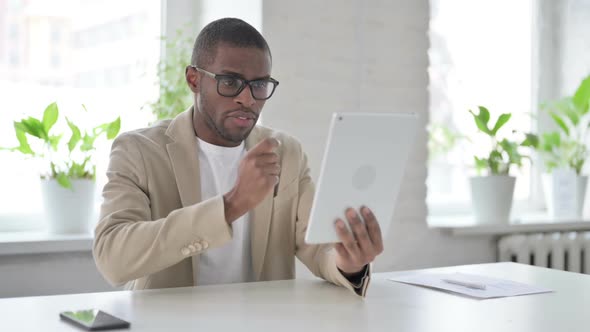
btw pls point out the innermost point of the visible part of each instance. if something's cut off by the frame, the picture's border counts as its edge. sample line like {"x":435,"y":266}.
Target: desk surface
{"x":314,"y":305}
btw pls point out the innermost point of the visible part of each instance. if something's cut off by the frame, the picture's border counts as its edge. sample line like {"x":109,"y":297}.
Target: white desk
{"x":310,"y":305}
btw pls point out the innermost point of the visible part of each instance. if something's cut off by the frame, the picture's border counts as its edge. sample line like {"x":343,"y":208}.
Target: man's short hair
{"x":231,"y":31}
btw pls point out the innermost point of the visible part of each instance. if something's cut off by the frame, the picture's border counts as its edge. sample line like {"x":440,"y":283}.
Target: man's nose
{"x":245,"y":97}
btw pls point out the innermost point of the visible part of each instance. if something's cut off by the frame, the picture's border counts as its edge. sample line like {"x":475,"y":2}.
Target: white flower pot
{"x":492,"y":198}
{"x":68,"y":211}
{"x":565,"y":192}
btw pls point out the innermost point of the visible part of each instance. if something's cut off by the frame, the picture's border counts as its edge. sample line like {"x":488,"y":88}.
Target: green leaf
{"x":480,"y":164}
{"x":24,"y":146}
{"x":53,"y":171}
{"x":577,"y":161}
{"x":484,"y":114}
{"x":502,"y":119}
{"x":511,"y":149}
{"x":481,"y":121}
{"x":76,"y":135}
{"x":78,"y":170}
{"x":560,"y":123}
{"x":86,"y":160}
{"x":531,"y":140}
{"x":495,"y":155}
{"x":50,"y":117}
{"x":113,"y":128}
{"x":63,"y":180}
{"x":494,"y":161}
{"x":581,"y":98}
{"x":566,"y":106}
{"x":54,"y":141}
{"x":87,"y":143}
{"x":551,"y":165}
{"x":550,"y":141}
{"x":34,"y":127}
{"x":572,"y":116}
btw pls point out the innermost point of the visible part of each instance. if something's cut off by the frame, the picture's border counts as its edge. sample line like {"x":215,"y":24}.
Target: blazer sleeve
{"x":319,"y":259}
{"x":128,"y":244}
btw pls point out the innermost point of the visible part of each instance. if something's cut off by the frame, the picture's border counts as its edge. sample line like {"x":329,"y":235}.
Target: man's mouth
{"x":244,"y":115}
{"x":243,"y":119}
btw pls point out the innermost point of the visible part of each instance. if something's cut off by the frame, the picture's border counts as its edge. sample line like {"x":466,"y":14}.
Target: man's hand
{"x":258,"y":173}
{"x":360,"y":247}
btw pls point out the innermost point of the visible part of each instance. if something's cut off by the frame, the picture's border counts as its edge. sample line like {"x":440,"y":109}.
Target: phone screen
{"x":94,"y":319}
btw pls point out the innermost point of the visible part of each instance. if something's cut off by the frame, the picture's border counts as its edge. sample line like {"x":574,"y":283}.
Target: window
{"x":55,"y":60}
{"x":96,"y":71}
{"x":13,"y":32}
{"x":107,"y":52}
{"x":481,"y":54}
{"x":55,"y":33}
{"x":13,"y":59}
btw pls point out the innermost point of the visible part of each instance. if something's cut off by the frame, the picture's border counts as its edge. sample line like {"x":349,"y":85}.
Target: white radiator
{"x":568,"y":251}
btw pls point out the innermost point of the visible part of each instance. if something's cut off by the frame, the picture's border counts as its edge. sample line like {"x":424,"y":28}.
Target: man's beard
{"x":220,"y":129}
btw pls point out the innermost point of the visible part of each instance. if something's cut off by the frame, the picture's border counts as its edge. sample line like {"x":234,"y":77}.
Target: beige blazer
{"x":152,"y":220}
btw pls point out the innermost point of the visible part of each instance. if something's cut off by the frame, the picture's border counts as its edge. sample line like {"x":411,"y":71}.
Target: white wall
{"x":49,"y":274}
{"x":249,"y":11}
{"x":367,"y":56}
{"x":576,"y":44}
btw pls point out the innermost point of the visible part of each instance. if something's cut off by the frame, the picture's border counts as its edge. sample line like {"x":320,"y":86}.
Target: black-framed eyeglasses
{"x":231,"y":85}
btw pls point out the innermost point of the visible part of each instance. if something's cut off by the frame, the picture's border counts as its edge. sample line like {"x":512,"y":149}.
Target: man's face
{"x":223,"y":120}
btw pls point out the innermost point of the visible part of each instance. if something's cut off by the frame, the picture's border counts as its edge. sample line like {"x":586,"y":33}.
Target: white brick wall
{"x":366,"y":56}
{"x":576,"y":44}
{"x":564,"y":50}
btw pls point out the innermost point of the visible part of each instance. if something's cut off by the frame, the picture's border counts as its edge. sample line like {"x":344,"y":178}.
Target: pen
{"x":472,"y":285}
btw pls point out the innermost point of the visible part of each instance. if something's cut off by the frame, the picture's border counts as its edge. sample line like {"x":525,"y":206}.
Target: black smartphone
{"x":94,"y":320}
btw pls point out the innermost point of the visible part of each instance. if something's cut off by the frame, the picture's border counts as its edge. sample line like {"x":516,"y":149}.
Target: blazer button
{"x":198,"y":246}
{"x":192,"y":248}
{"x":185,"y":251}
{"x":205,"y":244}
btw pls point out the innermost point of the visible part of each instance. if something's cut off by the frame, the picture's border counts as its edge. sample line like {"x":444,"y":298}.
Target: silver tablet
{"x":363,"y":164}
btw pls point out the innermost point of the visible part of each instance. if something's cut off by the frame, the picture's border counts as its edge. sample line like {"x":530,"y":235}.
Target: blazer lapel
{"x":260,"y":218}
{"x":183,"y":155}
{"x":184,"y":158}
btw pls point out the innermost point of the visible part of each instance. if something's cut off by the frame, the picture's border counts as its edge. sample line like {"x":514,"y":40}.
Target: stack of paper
{"x":471,"y":285}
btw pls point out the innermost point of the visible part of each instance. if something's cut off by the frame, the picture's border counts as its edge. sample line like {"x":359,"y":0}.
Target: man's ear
{"x":193,"y":79}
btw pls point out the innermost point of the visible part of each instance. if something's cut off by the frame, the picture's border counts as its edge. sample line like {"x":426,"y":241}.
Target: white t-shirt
{"x":232,"y":262}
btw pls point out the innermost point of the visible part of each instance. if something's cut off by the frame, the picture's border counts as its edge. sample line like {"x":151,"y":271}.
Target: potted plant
{"x":492,"y":189}
{"x":564,"y":153}
{"x":174,"y":96}
{"x":68,"y":177}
